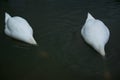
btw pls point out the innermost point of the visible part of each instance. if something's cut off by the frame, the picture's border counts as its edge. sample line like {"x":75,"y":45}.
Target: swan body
{"x":95,"y":33}
{"x":18,"y":28}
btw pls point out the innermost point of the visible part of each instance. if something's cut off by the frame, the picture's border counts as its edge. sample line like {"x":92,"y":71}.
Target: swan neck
{"x":102,"y":51}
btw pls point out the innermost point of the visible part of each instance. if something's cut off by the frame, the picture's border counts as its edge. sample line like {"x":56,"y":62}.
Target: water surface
{"x":62,"y":54}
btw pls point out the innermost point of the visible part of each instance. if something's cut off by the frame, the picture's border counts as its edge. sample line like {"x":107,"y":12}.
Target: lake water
{"x":62,"y":54}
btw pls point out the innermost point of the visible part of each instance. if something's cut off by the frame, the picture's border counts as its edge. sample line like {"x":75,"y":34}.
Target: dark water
{"x":62,"y":54}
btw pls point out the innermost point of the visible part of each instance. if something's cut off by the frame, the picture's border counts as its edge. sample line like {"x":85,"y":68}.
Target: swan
{"x":95,"y":33}
{"x":18,"y":28}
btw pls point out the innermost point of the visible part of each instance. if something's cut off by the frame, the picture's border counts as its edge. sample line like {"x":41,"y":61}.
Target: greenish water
{"x":62,"y":54}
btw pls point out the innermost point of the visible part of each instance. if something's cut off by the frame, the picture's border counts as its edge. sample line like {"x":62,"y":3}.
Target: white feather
{"x":95,"y":33}
{"x":18,"y":28}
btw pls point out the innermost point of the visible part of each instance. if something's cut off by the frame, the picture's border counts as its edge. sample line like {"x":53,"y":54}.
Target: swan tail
{"x":89,"y":16}
{"x":7,"y":16}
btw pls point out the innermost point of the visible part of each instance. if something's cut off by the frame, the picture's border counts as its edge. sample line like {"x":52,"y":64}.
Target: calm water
{"x":62,"y":54}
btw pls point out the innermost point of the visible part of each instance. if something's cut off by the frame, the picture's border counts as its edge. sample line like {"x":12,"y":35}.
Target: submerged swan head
{"x":18,"y":28}
{"x":95,"y":33}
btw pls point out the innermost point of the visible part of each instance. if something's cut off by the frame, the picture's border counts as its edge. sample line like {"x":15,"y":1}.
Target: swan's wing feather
{"x":19,"y":25}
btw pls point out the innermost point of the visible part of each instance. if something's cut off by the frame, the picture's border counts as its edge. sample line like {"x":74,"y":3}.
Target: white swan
{"x":18,"y":28}
{"x":95,"y":33}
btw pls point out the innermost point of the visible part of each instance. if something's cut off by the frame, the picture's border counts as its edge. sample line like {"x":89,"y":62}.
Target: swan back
{"x":95,"y":33}
{"x":18,"y":28}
